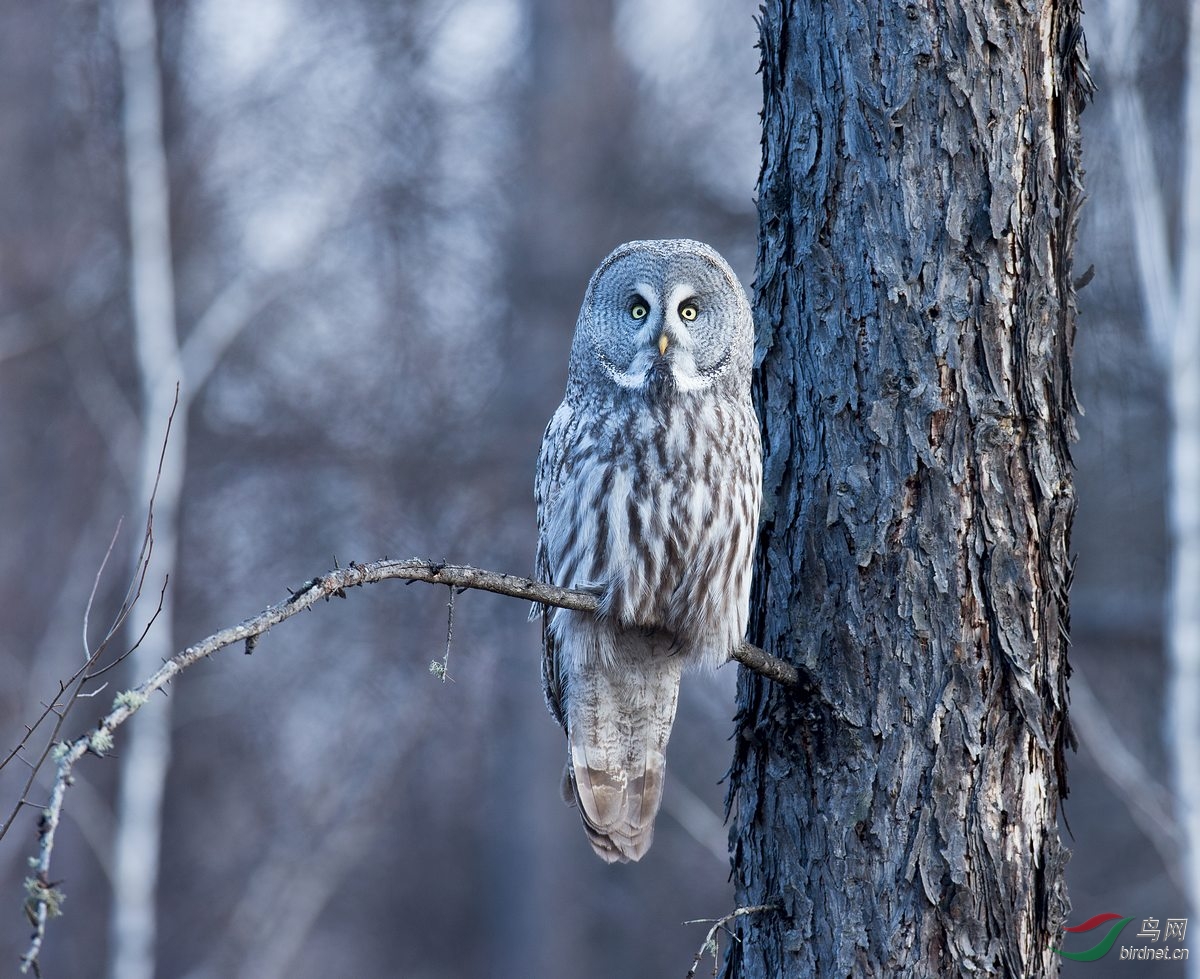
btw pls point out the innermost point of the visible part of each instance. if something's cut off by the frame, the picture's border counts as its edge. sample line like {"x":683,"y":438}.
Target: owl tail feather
{"x":619,"y":722}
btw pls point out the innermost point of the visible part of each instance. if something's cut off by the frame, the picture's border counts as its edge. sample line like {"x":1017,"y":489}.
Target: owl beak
{"x":662,"y":344}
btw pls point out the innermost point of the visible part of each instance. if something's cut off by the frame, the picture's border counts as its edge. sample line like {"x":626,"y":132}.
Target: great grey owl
{"x":648,"y":489}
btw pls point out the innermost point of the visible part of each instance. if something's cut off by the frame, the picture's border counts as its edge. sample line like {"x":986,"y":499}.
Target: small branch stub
{"x":711,"y":946}
{"x":442,"y":670}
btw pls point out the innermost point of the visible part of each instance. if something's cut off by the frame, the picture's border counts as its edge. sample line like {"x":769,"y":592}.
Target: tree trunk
{"x":1182,"y":355}
{"x":147,"y":755}
{"x":918,"y":203}
{"x":1170,"y":297}
{"x":1183,"y":639}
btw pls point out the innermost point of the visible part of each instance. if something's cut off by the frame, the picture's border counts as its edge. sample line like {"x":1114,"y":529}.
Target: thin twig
{"x":442,"y":670}
{"x":1146,"y":798}
{"x":87,"y":610}
{"x":711,"y":946}
{"x":60,"y":710}
{"x":162,"y":598}
{"x":86,"y":672}
{"x":142,"y":564}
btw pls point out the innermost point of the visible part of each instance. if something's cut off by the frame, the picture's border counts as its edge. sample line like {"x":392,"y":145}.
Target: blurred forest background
{"x":382,"y":217}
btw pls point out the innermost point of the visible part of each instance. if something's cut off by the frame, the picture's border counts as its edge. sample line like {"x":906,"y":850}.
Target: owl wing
{"x":547,"y":486}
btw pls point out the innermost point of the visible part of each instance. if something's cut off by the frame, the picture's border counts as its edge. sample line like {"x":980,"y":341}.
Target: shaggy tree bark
{"x":918,"y":203}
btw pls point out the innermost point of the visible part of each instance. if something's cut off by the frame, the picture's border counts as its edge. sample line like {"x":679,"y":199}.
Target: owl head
{"x":663,"y":318}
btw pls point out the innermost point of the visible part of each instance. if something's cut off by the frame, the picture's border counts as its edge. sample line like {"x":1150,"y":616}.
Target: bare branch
{"x":42,"y":898}
{"x":223,"y":321}
{"x":1160,"y":288}
{"x":1148,"y":801}
{"x":464,"y":576}
{"x":696,"y":819}
{"x":89,"y":671}
{"x":459,"y":576}
{"x":711,"y":946}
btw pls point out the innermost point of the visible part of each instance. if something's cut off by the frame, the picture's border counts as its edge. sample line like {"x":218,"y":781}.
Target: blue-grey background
{"x":410,"y":197}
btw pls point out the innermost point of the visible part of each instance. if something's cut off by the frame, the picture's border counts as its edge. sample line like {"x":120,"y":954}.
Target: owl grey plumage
{"x":648,"y":489}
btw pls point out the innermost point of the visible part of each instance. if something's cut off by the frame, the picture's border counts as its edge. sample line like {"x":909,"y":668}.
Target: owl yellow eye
{"x":638,"y":311}
{"x":688,"y":311}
